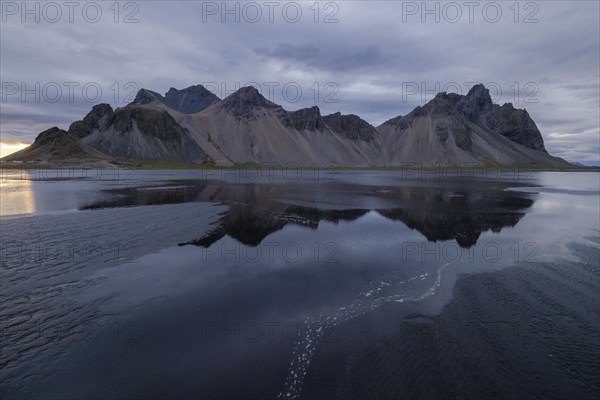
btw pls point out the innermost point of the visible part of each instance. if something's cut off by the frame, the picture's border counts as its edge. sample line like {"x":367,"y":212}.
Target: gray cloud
{"x":348,"y":59}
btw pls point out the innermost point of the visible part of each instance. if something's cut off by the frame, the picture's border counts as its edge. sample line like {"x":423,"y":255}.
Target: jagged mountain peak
{"x":250,"y":96}
{"x":480,"y":92}
{"x":442,"y":104}
{"x":314,"y":110}
{"x":476,"y":102}
{"x":351,"y":125}
{"x":242,"y":101}
{"x":250,"y":90}
{"x":49,"y":135}
{"x":190,"y":100}
{"x":101,"y":109}
{"x":190,"y":89}
{"x":100,"y":117}
{"x":515,"y":124}
{"x":307,"y":119}
{"x":145,"y":96}
{"x":452,"y":127}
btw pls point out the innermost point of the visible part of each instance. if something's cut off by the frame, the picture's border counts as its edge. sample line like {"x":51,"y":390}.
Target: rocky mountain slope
{"x":464,"y":130}
{"x":247,"y":128}
{"x":194,"y":126}
{"x":138,"y":132}
{"x":506,"y":120}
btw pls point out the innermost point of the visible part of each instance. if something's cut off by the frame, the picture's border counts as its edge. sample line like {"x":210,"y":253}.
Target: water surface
{"x":293,"y":284}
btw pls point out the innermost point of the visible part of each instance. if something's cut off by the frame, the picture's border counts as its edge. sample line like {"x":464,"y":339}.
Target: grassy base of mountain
{"x":173,"y":165}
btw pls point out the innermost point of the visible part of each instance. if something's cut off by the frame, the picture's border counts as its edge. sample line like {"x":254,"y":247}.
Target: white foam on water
{"x":364,"y":303}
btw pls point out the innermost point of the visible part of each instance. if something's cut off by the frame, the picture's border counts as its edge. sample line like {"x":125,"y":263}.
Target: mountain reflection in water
{"x":458,"y":212}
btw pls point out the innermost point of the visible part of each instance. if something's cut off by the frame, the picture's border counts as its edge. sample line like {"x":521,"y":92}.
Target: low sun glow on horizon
{"x":9,"y":148}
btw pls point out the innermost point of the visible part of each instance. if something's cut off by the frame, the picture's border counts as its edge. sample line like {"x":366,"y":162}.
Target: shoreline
{"x":145,"y":165}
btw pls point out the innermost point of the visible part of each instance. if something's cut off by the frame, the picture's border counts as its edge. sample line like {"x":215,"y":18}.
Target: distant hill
{"x":195,"y":126}
{"x":57,"y":145}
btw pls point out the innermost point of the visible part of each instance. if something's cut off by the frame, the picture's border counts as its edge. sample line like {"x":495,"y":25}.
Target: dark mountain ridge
{"x":193,"y":125}
{"x":187,"y":101}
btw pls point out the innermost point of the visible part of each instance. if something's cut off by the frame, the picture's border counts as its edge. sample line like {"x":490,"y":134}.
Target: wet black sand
{"x":138,"y":296}
{"x":526,"y":332}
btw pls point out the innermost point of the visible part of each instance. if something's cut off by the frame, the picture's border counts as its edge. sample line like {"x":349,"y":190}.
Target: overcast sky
{"x":374,"y":59}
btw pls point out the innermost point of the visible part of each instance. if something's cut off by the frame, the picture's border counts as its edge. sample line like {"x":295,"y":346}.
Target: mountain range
{"x":194,"y":126}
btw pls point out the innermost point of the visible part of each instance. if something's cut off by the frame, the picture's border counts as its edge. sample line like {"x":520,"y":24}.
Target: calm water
{"x":298,"y":284}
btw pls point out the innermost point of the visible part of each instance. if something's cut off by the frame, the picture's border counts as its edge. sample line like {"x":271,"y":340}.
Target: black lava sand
{"x":525,"y":332}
